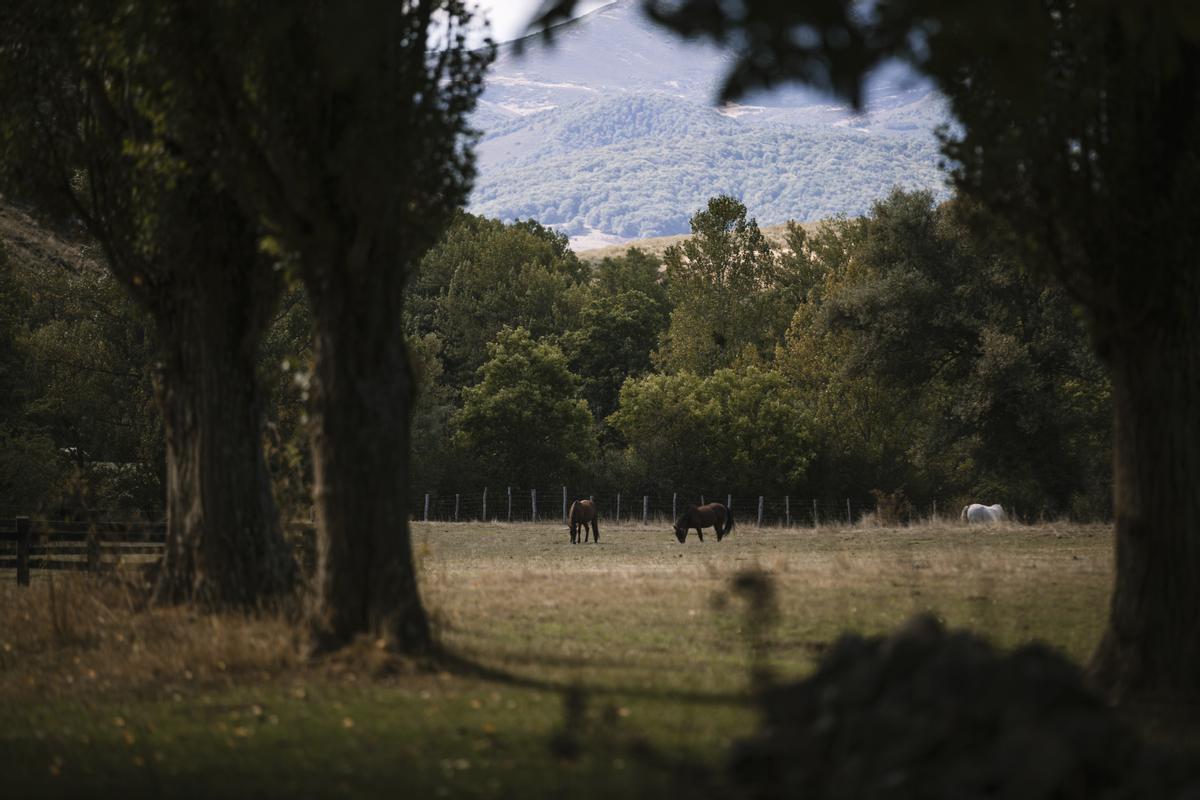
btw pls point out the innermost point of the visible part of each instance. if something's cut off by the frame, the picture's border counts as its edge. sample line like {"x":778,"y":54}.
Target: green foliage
{"x":636,"y":270}
{"x":726,"y":290}
{"x":81,"y":430}
{"x":435,"y":462}
{"x":916,"y":349}
{"x":484,"y":275}
{"x":742,"y":431}
{"x":612,"y":343}
{"x":285,"y":371}
{"x":525,"y":421}
{"x":32,"y":469}
{"x":903,"y":350}
{"x":951,"y":361}
{"x":34,"y":473}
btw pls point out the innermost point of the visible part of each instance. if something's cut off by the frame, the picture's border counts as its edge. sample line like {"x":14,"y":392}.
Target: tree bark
{"x":225,"y":547}
{"x":363,"y":389}
{"x":1151,"y":647}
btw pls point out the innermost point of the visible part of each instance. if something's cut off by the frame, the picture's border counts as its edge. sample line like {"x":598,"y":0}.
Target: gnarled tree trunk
{"x":363,"y":389}
{"x":1151,"y":647}
{"x":225,"y":547}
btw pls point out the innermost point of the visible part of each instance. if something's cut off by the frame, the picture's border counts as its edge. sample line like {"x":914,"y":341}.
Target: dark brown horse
{"x":583,"y":512}
{"x":714,"y":515}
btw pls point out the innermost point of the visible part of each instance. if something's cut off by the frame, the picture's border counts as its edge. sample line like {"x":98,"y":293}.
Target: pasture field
{"x":617,"y":669}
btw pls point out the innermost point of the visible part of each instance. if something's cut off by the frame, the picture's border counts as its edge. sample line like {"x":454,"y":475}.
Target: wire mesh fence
{"x":552,"y":505}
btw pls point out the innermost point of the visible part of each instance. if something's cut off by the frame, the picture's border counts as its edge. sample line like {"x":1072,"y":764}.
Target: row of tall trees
{"x":902,"y":350}
{"x":211,"y":152}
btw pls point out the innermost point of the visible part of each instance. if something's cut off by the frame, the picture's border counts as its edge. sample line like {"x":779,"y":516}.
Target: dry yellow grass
{"x":627,"y":611}
{"x":71,"y":634}
{"x":639,"y":609}
{"x":657,"y":245}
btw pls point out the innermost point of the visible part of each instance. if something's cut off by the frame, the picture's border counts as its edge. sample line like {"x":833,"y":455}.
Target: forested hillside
{"x":637,"y":166}
{"x":613,"y":132}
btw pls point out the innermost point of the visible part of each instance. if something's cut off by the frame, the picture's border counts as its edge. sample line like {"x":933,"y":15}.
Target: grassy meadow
{"x":617,"y":669}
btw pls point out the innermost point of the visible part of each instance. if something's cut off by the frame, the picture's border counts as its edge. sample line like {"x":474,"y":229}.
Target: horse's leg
{"x":700,"y":532}
{"x":596,"y":530}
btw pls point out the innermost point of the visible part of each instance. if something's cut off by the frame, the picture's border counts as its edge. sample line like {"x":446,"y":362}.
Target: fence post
{"x":849,"y":518}
{"x":23,"y":537}
{"x":484,"y":504}
{"x":564,"y":505}
{"x":456,"y":506}
{"x":426,"y":517}
{"x":787,"y":512}
{"x":674,"y":516}
{"x":618,"y":508}
{"x":814,"y":512}
{"x":729,"y":502}
{"x":935,"y":510}
{"x":93,"y":552}
{"x":533,"y":503}
{"x":510,"y":504}
{"x":760,"y":509}
{"x":645,"y":508}
{"x":701,"y":499}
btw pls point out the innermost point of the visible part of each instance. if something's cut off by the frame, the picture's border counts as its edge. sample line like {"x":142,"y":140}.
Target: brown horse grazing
{"x":714,"y":515}
{"x":583,"y":512}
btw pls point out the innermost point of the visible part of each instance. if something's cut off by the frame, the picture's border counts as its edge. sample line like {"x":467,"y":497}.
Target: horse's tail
{"x":571,"y":513}
{"x":728,"y":523}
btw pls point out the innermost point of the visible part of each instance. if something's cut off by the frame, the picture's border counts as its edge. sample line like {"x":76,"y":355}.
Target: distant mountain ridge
{"x":610,"y":133}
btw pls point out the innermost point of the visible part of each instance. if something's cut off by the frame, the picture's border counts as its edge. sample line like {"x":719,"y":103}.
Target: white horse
{"x":977,"y":512}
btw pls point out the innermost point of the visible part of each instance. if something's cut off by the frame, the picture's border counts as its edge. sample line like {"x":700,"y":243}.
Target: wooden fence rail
{"x":78,"y":546}
{"x":98,"y":546}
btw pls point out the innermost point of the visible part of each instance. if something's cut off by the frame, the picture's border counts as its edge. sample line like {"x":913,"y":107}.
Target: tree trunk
{"x":362,"y":394}
{"x":225,"y":547}
{"x":1151,"y":647}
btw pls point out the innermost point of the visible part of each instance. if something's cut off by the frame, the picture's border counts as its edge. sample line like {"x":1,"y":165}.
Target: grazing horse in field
{"x":977,"y":512}
{"x":714,"y":515}
{"x":582,"y":513}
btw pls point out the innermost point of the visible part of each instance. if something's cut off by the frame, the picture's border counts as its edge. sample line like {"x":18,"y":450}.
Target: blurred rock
{"x":931,"y":713}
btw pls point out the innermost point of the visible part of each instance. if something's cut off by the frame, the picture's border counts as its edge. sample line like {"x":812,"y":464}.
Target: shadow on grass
{"x":468,"y":667}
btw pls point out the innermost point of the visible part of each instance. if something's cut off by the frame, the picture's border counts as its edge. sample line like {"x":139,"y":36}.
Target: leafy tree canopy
{"x":725,"y":288}
{"x":484,"y":275}
{"x":525,"y":421}
{"x":735,"y":430}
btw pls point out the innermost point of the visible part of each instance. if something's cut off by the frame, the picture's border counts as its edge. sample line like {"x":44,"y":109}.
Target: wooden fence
{"x":27,"y":544}
{"x":82,"y":546}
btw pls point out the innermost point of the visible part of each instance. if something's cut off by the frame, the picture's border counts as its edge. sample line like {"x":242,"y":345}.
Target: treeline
{"x":904,"y":351}
{"x":901,"y":351}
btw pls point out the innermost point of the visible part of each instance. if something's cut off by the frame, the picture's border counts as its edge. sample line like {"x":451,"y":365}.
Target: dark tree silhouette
{"x":80,"y":144}
{"x":342,"y":128}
